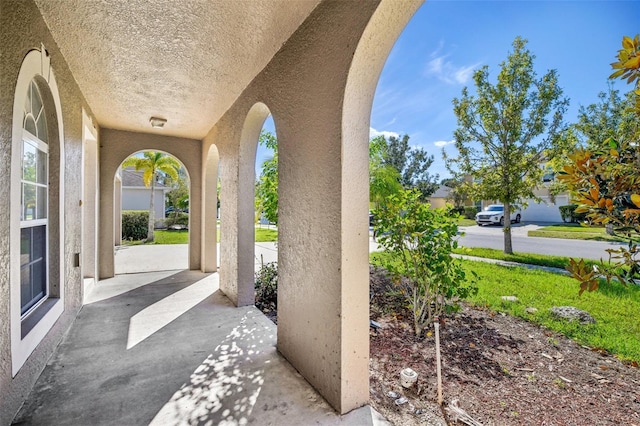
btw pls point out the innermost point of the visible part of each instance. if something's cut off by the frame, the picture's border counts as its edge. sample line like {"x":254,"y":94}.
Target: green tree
{"x":412,"y":163}
{"x":384,"y":180}
{"x":610,"y":117}
{"x":267,"y":185}
{"x":178,"y":197}
{"x":507,"y":131}
{"x":153,"y":165}
{"x":420,"y":241}
{"x":603,"y":180}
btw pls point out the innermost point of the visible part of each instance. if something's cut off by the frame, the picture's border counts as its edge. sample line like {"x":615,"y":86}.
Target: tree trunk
{"x":508,"y":248}
{"x":152,"y":211}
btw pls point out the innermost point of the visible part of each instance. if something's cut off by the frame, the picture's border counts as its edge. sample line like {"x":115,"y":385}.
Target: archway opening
{"x":266,"y":215}
{"x":151,"y":213}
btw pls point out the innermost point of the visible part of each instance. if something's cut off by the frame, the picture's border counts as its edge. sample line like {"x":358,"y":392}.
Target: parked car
{"x":494,"y":215}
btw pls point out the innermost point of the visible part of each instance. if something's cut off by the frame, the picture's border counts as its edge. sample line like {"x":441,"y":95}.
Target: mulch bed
{"x":498,"y":369}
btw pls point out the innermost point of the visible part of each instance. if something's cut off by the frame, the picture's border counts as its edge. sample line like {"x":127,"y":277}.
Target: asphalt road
{"x":492,"y":237}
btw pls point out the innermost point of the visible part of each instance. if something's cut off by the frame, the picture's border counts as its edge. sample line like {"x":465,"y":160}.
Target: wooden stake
{"x":436,"y":325}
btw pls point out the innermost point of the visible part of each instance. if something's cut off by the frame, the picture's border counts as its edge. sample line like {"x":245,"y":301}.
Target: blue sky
{"x":446,"y":41}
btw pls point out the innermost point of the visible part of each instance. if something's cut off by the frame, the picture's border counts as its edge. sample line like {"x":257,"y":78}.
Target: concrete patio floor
{"x":168,"y":348}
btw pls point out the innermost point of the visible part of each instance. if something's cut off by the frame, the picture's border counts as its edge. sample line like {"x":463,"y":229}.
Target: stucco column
{"x":237,"y":246}
{"x":209,"y":262}
{"x":106,"y":232}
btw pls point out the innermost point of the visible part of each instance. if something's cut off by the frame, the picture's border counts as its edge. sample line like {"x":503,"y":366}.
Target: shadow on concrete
{"x":173,"y":351}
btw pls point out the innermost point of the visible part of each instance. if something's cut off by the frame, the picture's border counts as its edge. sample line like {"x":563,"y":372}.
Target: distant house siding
{"x":135,"y":198}
{"x":437,"y":203}
{"x":546,"y":211}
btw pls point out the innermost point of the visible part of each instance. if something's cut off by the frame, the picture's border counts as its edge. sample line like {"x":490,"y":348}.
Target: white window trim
{"x":36,"y":63}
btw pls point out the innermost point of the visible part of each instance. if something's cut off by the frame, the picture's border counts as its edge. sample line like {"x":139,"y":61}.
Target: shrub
{"x":568,"y":214}
{"x":135,"y":224}
{"x":419,"y":241}
{"x":456,"y":211}
{"x":180,"y":218}
{"x":266,"y":285}
{"x":470,"y":212}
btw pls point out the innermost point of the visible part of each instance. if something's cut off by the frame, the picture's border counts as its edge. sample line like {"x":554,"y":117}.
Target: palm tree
{"x":152,"y":163}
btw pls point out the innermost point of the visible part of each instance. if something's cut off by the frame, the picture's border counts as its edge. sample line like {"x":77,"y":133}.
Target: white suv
{"x":494,"y":215}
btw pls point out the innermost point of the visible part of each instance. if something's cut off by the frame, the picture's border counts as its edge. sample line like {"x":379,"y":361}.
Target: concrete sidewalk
{"x":172,"y":257}
{"x":168,"y":348}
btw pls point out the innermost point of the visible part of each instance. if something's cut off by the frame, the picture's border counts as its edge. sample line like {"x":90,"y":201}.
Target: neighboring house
{"x":136,"y":196}
{"x":546,"y":210}
{"x":442,"y":196}
{"x":439,"y":198}
{"x":543,"y":211}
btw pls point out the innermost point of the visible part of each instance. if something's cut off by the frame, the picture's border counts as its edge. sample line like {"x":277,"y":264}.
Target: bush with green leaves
{"x":420,"y":241}
{"x":568,"y":214}
{"x":266,"y":286}
{"x":177,"y":218}
{"x":470,"y":212}
{"x":135,"y":224}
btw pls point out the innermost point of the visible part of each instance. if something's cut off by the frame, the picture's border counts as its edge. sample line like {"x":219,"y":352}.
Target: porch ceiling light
{"x":157,"y":122}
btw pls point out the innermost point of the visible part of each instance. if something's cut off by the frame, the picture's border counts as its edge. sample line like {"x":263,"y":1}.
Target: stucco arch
{"x":251,"y":129}
{"x":118,"y":192}
{"x":115,"y":147}
{"x":372,"y":51}
{"x":320,"y":89}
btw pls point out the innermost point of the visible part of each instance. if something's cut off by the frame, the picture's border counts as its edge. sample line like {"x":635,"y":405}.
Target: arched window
{"x":38,"y":269}
{"x":34,"y":203}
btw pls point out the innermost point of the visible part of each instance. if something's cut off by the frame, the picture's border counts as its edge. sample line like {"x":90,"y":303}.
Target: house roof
{"x":442,"y":192}
{"x":132,"y":178}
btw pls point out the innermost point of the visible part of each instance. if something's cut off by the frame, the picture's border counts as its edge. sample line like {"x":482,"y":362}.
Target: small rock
{"x":509,"y":298}
{"x":572,"y":314}
{"x":401,"y":400}
{"x":531,"y":310}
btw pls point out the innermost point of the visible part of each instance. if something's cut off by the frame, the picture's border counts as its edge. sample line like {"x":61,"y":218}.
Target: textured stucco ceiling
{"x":183,"y":60}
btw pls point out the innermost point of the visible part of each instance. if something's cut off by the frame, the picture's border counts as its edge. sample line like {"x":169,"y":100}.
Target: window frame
{"x":29,"y":138}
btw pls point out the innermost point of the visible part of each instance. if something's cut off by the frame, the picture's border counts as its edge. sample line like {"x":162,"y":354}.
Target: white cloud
{"x":464,"y":74}
{"x":435,"y":66}
{"x":386,"y":133}
{"x":440,"y":144}
{"x":445,"y":70}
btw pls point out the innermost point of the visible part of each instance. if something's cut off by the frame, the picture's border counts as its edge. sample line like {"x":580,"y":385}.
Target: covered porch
{"x":103,"y":73}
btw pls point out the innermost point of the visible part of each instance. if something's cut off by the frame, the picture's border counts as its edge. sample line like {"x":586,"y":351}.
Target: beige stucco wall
{"x":22,"y":30}
{"x":115,"y":147}
{"x":319,"y":87}
{"x":320,"y":98}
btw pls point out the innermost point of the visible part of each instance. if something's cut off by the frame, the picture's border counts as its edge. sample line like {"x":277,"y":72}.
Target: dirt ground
{"x":498,"y":369}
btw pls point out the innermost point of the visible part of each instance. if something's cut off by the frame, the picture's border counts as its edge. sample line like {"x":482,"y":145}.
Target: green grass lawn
{"x":530,"y":258}
{"x":264,"y":235}
{"x":182,"y":236}
{"x":466,"y":222}
{"x":614,"y":306}
{"x":575,"y":231}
